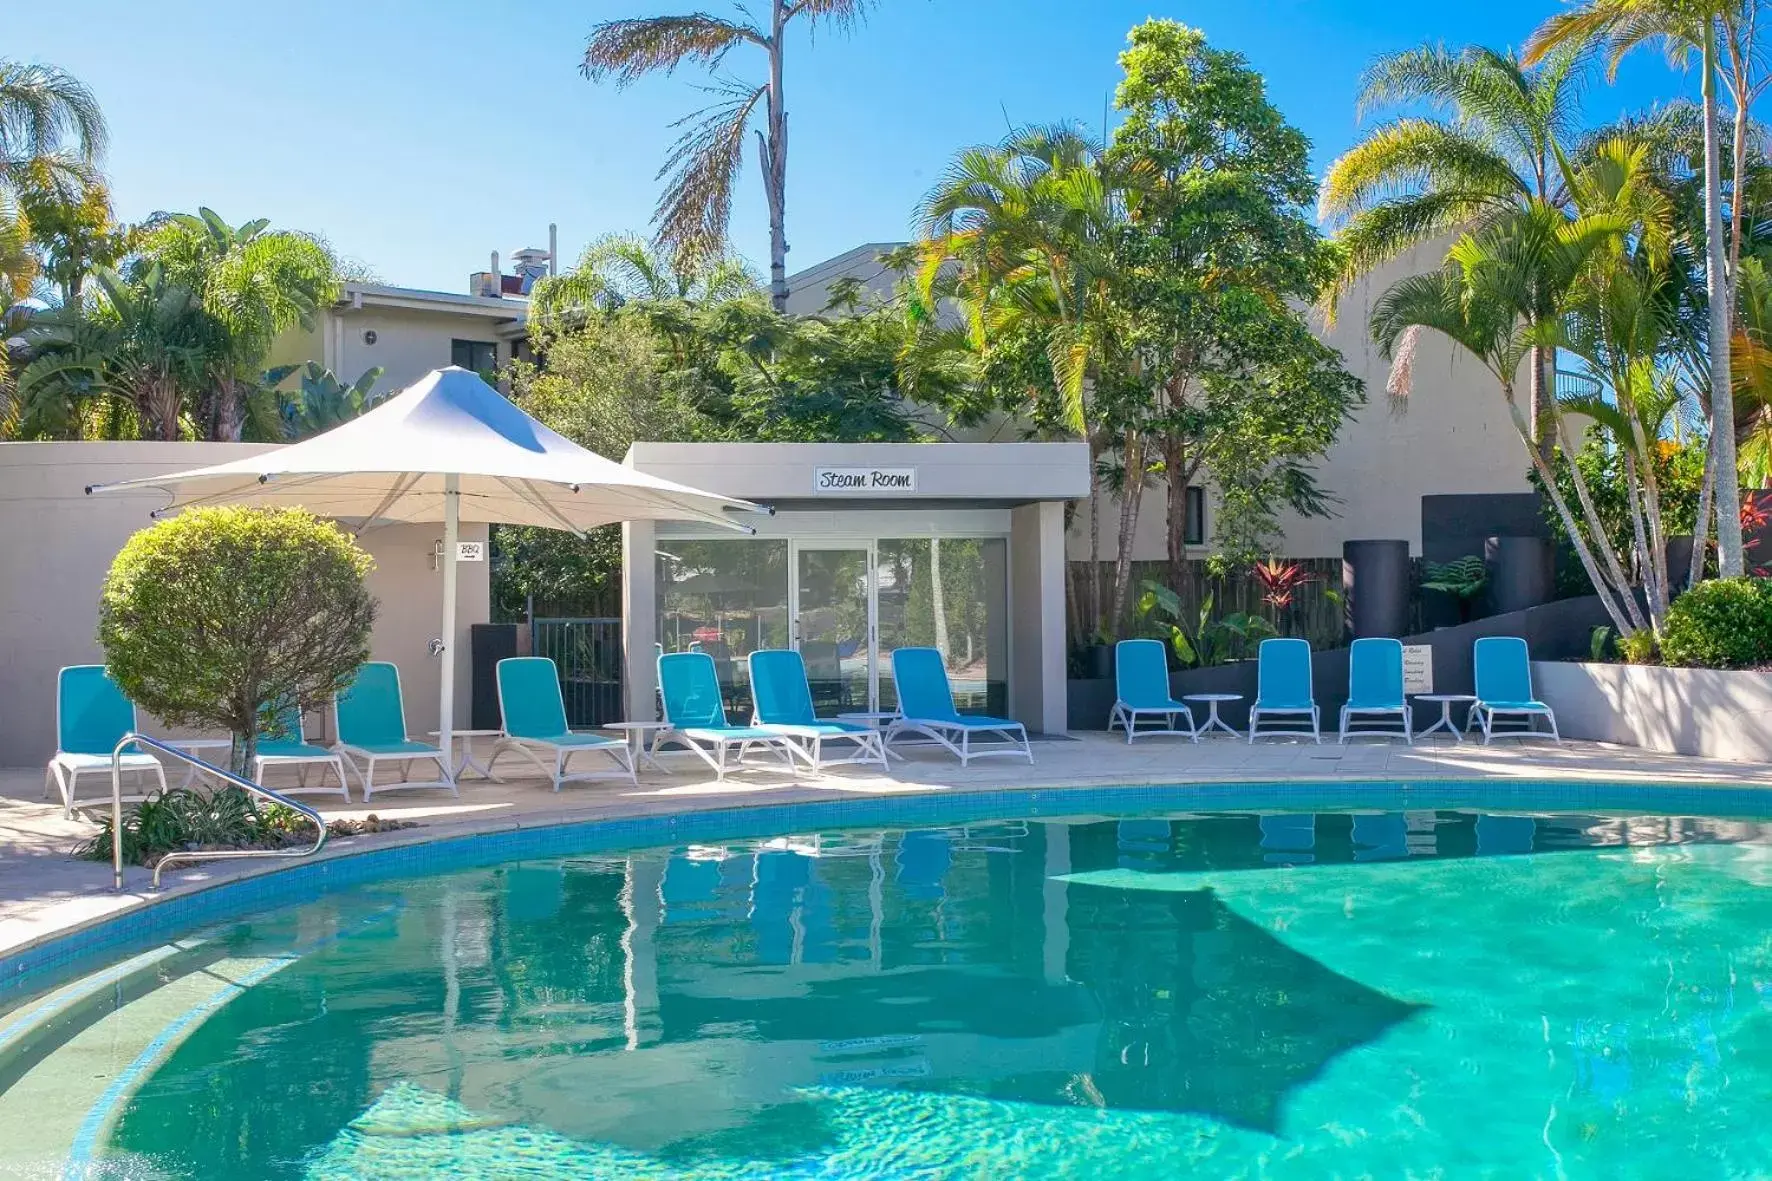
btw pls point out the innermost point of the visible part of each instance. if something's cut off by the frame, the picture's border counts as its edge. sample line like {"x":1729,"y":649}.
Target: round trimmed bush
{"x":221,"y":618}
{"x":1723,"y":623}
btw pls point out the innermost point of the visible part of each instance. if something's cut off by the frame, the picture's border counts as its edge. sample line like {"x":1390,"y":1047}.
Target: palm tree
{"x":621,"y":268}
{"x":50,"y":125}
{"x":1615,"y":27}
{"x":137,"y":353}
{"x":693,"y":213}
{"x":1484,"y":300}
{"x":1017,"y":236}
{"x":254,"y":283}
{"x":1488,"y":150}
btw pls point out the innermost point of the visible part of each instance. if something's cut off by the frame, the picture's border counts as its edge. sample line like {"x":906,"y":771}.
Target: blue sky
{"x":419,"y":135}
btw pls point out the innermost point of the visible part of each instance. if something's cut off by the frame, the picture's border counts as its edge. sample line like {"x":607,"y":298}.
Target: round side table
{"x":877,"y":719}
{"x":1212,"y":702}
{"x":1446,"y":702}
{"x":641,"y":737}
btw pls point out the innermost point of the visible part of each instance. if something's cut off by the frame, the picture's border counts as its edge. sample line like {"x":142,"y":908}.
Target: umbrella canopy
{"x":392,"y":464}
{"x":448,"y":448}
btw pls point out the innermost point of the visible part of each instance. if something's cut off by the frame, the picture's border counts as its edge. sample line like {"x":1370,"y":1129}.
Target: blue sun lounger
{"x":926,"y":706}
{"x":369,"y":718}
{"x":534,"y":722}
{"x":1375,"y":691}
{"x":783,"y":703}
{"x":1283,"y":691}
{"x":291,"y":749}
{"x":690,"y":690}
{"x":91,"y":718}
{"x":1504,"y":688}
{"x":1141,"y":685}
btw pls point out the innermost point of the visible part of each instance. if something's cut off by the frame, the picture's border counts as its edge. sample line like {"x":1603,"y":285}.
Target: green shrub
{"x":1722,"y":623}
{"x":221,"y":618}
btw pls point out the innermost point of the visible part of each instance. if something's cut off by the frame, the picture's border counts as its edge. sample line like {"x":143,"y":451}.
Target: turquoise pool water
{"x":1401,"y":994}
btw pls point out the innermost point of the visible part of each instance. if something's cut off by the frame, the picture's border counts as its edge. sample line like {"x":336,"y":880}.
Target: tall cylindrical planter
{"x":1521,"y":572}
{"x":1375,"y":588}
{"x":1679,"y":561}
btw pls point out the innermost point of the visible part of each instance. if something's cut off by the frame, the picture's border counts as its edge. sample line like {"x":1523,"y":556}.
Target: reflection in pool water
{"x":1280,"y":995}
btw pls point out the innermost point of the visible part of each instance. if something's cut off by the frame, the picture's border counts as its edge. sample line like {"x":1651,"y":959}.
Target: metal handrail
{"x":141,"y":741}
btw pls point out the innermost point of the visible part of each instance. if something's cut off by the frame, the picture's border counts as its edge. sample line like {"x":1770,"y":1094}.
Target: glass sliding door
{"x":951,"y":594}
{"x":727,"y":598}
{"x":833,"y":612}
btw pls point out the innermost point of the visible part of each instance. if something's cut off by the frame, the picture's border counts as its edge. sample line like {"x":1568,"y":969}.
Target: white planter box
{"x":1690,"y":711}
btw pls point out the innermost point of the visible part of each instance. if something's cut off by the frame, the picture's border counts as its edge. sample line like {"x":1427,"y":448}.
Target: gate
{"x":588,"y":654}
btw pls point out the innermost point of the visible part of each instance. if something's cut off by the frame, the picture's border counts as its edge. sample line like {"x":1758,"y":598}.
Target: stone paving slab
{"x":44,"y":891}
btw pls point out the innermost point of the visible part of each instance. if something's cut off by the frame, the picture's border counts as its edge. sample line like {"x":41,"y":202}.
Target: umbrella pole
{"x":446,"y":695}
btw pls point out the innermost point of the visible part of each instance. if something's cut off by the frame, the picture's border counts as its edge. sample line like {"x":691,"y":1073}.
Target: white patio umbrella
{"x":447,"y":448}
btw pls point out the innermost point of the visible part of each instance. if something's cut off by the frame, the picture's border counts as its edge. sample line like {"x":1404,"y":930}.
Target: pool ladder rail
{"x":143,"y":742}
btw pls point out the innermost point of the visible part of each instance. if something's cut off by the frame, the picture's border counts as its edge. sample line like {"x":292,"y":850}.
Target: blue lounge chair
{"x":91,"y":718}
{"x":291,"y":749}
{"x":783,"y":703}
{"x":1504,"y":688}
{"x":1283,"y":691}
{"x":534,"y":715}
{"x":926,"y":706}
{"x":1375,"y":691}
{"x":369,"y":718}
{"x":690,"y":690}
{"x":1141,"y":685}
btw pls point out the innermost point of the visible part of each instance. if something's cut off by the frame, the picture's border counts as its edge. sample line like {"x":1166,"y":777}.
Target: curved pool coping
{"x":53,"y":958}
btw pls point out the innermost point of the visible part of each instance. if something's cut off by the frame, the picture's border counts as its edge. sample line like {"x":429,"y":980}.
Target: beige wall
{"x":409,"y":342}
{"x":59,"y":542}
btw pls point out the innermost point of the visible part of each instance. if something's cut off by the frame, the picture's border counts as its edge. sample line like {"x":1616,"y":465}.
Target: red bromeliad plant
{"x":1280,"y":583}
{"x":1755,"y":514}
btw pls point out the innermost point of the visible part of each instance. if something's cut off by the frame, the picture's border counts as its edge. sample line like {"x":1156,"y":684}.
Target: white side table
{"x":641,"y":738}
{"x":467,"y":761}
{"x":1446,"y":702}
{"x":877,"y":719}
{"x":195,"y":747}
{"x":1212,"y":702}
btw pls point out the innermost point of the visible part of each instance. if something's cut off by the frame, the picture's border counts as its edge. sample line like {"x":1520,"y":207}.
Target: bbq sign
{"x":863,"y":481}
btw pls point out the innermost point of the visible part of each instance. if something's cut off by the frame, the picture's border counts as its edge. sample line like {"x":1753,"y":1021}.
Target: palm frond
{"x":44,"y":111}
{"x":842,"y":15}
{"x":627,"y":50}
{"x":696,"y":205}
{"x":1411,"y":156}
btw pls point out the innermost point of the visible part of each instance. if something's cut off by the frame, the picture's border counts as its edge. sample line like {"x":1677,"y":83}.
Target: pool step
{"x":62,"y":1108}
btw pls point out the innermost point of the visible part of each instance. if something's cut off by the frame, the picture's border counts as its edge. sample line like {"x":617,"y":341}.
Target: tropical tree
{"x":1721,"y":33}
{"x":127,"y":364}
{"x":1484,"y":300}
{"x":70,"y":230}
{"x":1487,"y":150}
{"x":50,"y":125}
{"x":694,"y":211}
{"x":1216,"y":261}
{"x":1018,"y":238}
{"x":621,"y":268}
{"x":253,"y":283}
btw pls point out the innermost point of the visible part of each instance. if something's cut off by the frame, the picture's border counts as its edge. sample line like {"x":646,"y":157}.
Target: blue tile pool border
{"x":49,"y":962}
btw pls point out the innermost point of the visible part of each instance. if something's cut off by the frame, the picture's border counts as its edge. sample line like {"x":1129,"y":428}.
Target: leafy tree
{"x":51,"y":129}
{"x":253,"y":283}
{"x":71,"y":231}
{"x":319,"y":402}
{"x":621,"y":268}
{"x":225,"y":617}
{"x":1487,"y":148}
{"x":1723,"y":33}
{"x":1216,"y":259}
{"x":693,"y":213}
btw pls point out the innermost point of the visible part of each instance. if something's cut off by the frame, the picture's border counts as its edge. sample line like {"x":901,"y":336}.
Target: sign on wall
{"x":470,"y":551}
{"x":863,"y":481}
{"x":1418,"y":668}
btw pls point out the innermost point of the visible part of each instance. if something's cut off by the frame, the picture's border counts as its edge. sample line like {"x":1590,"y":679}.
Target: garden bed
{"x":1714,"y":713}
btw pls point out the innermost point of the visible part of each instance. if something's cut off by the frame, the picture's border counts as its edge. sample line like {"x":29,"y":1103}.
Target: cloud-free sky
{"x":419,"y":135}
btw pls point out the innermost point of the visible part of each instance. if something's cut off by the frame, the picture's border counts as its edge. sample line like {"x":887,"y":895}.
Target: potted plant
{"x":1463,"y":578}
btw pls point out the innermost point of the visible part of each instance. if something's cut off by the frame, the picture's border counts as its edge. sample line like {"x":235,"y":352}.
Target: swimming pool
{"x":1429,"y":990}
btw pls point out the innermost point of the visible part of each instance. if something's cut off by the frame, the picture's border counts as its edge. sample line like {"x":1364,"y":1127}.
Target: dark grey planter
{"x":1375,"y":587}
{"x":1679,"y":561}
{"x":1521,"y":572}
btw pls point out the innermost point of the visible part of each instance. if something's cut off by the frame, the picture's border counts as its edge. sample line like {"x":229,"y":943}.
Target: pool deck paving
{"x":45,"y":891}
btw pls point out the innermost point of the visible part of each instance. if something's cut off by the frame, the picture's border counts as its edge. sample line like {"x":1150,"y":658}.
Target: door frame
{"x":866,"y":547}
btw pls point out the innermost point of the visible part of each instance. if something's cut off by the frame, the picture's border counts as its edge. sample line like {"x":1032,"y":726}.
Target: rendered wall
{"x":59,"y":542}
{"x":1710,"y":713}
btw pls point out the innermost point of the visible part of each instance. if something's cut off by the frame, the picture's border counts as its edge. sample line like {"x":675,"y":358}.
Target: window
{"x":1193,"y":527}
{"x":481,"y":356}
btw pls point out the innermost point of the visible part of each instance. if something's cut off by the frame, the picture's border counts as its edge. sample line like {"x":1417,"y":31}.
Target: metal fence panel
{"x":588,"y":654}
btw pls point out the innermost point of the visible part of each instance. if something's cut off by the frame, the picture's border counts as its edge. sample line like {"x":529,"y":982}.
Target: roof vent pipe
{"x":553,"y":248}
